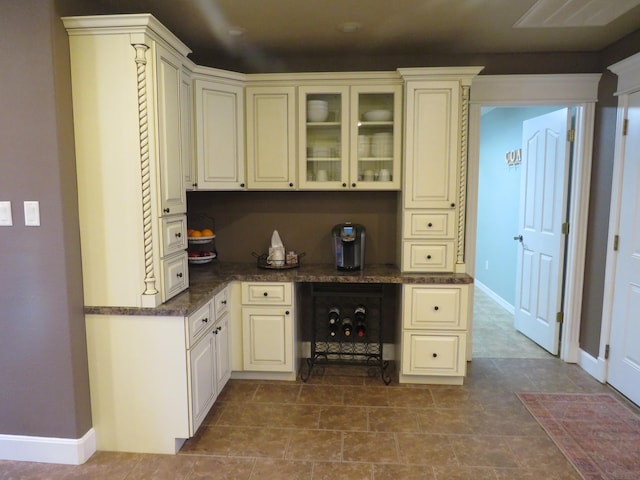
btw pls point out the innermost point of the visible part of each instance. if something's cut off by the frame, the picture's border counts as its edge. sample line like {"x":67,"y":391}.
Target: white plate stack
{"x":382,"y":145}
{"x":317,"y":110}
{"x":364,"y":146}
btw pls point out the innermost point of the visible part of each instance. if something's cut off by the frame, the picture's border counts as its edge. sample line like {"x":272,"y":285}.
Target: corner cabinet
{"x":128,"y":105}
{"x":432,"y":223}
{"x":219,"y":126}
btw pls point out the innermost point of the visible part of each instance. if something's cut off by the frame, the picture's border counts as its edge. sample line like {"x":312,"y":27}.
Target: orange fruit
{"x":190,"y":232}
{"x":196,"y":233}
{"x":206,"y":232}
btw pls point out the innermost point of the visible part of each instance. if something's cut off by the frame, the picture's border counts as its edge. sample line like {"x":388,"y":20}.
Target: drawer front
{"x":174,"y":234}
{"x":263,"y":293}
{"x":428,"y":225}
{"x":175,"y":275}
{"x":433,"y":354}
{"x":221,"y":303}
{"x":198,"y":322}
{"x":428,"y":257}
{"x":443,"y":308}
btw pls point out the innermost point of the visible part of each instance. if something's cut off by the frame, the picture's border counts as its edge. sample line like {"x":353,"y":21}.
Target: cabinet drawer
{"x":198,"y":322}
{"x":434,"y":307}
{"x":221,"y":303}
{"x":175,"y":275}
{"x":428,"y":257}
{"x":433,"y":354}
{"x":430,"y":224}
{"x":174,"y":234}
{"x":262,"y":293}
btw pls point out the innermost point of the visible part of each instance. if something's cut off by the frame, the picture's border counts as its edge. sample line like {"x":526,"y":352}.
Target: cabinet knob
{"x":167,"y":210}
{"x":436,"y":308}
{"x":178,"y":235}
{"x":242,"y":185}
{"x":205,"y":320}
{"x":224,"y":302}
{"x":453,"y":205}
{"x":179,"y":274}
{"x":265,"y":294}
{"x":428,"y":257}
{"x":218,"y":329}
{"x":429,"y":224}
{"x":286,"y":312}
{"x":353,"y":185}
{"x":435,"y":355}
{"x":291,"y":184}
{"x":344,"y":185}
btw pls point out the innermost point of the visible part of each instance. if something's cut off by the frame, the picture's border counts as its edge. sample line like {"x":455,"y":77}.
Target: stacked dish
{"x":317,"y":110}
{"x":378,"y":116}
{"x":382,"y":144}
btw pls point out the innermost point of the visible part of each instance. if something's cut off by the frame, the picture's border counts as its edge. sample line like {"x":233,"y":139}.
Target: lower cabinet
{"x":433,"y":333}
{"x":268,"y":329}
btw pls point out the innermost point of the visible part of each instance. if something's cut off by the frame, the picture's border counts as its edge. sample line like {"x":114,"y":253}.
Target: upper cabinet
{"x":350,"y":137}
{"x":127,"y":106}
{"x":271,"y":137}
{"x":219,"y":123}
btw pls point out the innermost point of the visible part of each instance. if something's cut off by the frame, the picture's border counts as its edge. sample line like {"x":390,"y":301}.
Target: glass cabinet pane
{"x":324,"y":132}
{"x":376,"y":139}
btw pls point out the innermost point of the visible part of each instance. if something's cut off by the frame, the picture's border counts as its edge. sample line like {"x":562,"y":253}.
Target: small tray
{"x":262,"y":262}
{"x":202,"y":259}
{"x":195,"y":240}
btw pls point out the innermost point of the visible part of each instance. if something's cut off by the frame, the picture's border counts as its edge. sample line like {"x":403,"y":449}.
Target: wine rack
{"x":330,"y":344}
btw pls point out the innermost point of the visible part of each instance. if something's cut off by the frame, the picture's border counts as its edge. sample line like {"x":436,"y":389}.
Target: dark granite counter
{"x":209,"y":279}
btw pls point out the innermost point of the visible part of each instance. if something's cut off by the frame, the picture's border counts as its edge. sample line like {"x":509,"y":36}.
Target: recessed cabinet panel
{"x":175,"y":273}
{"x":433,"y":354}
{"x":221,"y":302}
{"x":271,"y":137}
{"x":434,"y":307}
{"x":422,"y":224}
{"x":428,"y":257}
{"x":203,"y":383}
{"x":223,"y":353}
{"x":267,"y":339}
{"x":169,"y":77}
{"x":188,"y":140}
{"x":266,"y":293}
{"x":198,"y":323}
{"x":174,"y":234}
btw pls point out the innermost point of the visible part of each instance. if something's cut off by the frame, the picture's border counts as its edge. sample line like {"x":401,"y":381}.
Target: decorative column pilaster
{"x":462,"y":181}
{"x":143,"y":126}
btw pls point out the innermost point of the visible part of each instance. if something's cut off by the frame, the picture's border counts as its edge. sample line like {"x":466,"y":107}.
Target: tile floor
{"x":343,"y":424}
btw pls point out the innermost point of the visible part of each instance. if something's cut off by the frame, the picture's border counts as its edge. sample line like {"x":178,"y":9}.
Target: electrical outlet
{"x":486,"y":264}
{"x":6,"y":220}
{"x":32,"y":214}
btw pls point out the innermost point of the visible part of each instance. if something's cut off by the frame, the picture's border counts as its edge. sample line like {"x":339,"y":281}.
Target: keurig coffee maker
{"x":348,"y":246}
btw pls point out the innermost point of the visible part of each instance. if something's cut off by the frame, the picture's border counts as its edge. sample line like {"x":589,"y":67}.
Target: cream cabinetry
{"x":268,"y":328}
{"x":347,"y":148}
{"x":433,"y":333}
{"x":189,"y":165}
{"x":434,"y":186}
{"x":271,"y":137}
{"x":127,"y":107}
{"x":219,"y":127}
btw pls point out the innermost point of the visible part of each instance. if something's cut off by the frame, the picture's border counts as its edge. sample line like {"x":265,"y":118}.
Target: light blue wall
{"x":499,"y":198}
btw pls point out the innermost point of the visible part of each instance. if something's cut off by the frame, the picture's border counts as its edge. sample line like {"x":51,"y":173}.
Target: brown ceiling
{"x":287,"y":28}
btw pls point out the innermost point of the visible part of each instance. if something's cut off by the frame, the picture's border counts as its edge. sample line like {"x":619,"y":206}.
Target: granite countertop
{"x":208,"y":279}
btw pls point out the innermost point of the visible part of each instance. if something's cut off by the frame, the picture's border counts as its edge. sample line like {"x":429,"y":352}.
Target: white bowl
{"x":378,"y":116}
{"x":317,"y":115}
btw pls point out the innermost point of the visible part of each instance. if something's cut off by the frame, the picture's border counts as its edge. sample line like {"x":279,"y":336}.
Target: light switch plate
{"x":31,"y":214}
{"x":6,"y":220}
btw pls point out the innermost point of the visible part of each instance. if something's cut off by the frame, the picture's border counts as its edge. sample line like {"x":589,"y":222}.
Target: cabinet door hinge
{"x":571,"y":135}
{"x":616,"y":242}
{"x":565,"y":228}
{"x":559,"y":317}
{"x":606,"y":352}
{"x":625,"y":126}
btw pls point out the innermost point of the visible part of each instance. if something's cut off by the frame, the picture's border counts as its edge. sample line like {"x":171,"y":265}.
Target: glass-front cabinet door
{"x":324,"y":137}
{"x":375,"y":140}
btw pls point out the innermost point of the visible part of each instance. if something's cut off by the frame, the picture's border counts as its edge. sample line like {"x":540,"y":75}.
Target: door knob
{"x":518,"y":237}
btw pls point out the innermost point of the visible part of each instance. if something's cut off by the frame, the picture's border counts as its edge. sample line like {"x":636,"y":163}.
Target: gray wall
{"x":44,"y":387}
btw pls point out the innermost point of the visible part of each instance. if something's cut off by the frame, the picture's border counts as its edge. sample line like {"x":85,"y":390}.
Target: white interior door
{"x":543,"y":196}
{"x":624,"y":357}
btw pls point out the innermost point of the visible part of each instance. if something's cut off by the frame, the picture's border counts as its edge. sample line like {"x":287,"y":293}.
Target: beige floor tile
{"x":366,"y":396}
{"x":222,"y":468}
{"x":238,"y":391}
{"x":320,"y":445}
{"x":344,"y":418}
{"x":342,"y":471}
{"x":369,"y":447}
{"x":483,"y":451}
{"x":321,"y":395}
{"x":410,"y":397}
{"x":402,"y":472}
{"x":277,"y":393}
{"x":387,"y":419}
{"x":272,"y":469}
{"x":240,"y":441}
{"x":425,"y":449}
{"x":446,"y":420}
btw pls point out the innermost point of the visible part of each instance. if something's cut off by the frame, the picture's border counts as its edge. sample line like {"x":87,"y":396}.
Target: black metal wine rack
{"x":366,"y":350}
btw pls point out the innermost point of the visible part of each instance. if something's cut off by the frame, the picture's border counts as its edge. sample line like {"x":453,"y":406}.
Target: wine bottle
{"x":333,"y":329}
{"x":347,"y":326}
{"x":360,"y":316}
{"x":334,"y":316}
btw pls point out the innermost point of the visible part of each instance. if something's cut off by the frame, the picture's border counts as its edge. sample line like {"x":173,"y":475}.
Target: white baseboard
{"x":593,"y":366}
{"x":494,"y":296}
{"x":68,"y":451}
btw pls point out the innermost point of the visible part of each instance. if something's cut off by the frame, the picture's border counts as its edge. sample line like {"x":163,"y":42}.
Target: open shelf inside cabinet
{"x":201,"y":239}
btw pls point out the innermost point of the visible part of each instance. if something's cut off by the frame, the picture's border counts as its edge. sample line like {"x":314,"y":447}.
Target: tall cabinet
{"x":128,"y":99}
